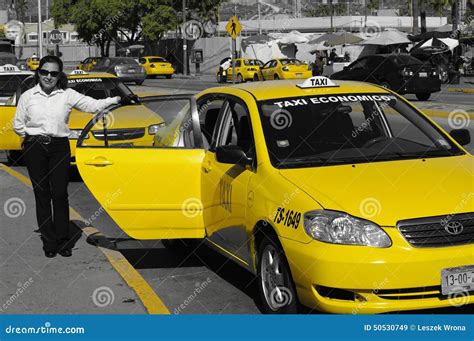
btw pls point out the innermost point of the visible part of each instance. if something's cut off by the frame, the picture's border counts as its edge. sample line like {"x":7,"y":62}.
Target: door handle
{"x":99,"y":162}
{"x":207,"y":167}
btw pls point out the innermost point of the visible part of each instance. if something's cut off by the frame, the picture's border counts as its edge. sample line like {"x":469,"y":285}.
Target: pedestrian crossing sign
{"x":233,"y":27}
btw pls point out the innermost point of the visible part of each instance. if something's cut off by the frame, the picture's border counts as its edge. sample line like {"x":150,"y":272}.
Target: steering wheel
{"x":374,"y":141}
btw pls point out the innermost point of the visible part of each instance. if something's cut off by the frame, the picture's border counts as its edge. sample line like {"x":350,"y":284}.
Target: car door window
{"x":208,"y":111}
{"x":267,"y":64}
{"x":236,"y":128}
{"x":238,"y":63}
{"x":359,"y":65}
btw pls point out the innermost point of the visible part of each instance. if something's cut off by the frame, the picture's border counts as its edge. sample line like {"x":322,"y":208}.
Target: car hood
{"x":386,"y":192}
{"x":132,"y":116}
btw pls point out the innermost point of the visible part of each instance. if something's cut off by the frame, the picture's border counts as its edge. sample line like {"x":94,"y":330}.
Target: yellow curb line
{"x":460,"y":90}
{"x":151,"y":301}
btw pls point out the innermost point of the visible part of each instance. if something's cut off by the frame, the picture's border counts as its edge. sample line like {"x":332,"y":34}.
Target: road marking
{"x":465,"y":90}
{"x":149,"y":298}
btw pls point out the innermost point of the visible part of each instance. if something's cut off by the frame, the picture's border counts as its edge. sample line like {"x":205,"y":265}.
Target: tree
{"x":423,"y":15}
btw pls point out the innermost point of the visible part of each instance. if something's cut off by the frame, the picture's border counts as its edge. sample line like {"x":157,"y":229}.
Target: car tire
{"x":15,"y":158}
{"x":276,"y":77}
{"x":255,"y":78}
{"x":240,"y":79}
{"x":139,"y":82}
{"x":423,"y":96}
{"x":386,"y":85}
{"x":274,"y":281}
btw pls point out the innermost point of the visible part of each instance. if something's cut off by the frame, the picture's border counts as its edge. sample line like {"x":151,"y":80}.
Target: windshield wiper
{"x":318,"y":161}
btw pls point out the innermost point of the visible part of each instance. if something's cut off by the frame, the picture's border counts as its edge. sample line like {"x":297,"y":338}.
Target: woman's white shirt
{"x":38,"y":113}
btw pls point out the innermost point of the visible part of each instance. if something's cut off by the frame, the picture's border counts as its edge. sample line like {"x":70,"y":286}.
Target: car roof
{"x":92,"y":75}
{"x":288,"y":88}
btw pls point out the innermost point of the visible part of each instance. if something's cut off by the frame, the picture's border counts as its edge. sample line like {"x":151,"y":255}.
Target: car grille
{"x":120,"y":134}
{"x":450,"y":230}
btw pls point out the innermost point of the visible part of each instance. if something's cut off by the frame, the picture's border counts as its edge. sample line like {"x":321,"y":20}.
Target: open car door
{"x":151,"y":191}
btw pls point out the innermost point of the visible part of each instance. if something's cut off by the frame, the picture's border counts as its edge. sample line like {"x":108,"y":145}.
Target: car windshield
{"x":158,"y":60}
{"x":99,"y":88}
{"x":9,"y":84}
{"x":348,"y":128}
{"x":253,"y":62}
{"x":291,"y":62}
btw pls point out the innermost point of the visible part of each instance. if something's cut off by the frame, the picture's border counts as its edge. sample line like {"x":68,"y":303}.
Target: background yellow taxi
{"x":125,"y":128}
{"x":88,"y":63}
{"x":245,"y":69}
{"x":341,"y":196}
{"x":156,"y":66}
{"x":32,"y":63}
{"x":286,"y":68}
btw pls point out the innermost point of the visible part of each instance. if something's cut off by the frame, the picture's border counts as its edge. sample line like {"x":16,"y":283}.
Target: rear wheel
{"x":424,"y":96}
{"x":255,"y":78}
{"x":240,"y":79}
{"x":139,"y":82}
{"x":276,"y":77}
{"x":275,"y":284}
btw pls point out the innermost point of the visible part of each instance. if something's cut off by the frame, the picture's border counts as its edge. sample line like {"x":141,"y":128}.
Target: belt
{"x":43,"y":139}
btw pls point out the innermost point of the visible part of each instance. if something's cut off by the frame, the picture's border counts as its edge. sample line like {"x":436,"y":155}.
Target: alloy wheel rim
{"x":272,"y":277}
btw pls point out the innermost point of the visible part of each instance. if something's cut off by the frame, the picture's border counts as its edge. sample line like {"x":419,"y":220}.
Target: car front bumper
{"x":365,"y":280}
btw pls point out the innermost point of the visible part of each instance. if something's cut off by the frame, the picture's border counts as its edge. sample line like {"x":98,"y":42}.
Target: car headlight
{"x":76,"y":133}
{"x":153,"y":129}
{"x":341,"y":228}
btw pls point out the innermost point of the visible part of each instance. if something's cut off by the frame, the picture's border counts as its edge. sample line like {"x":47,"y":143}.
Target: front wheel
{"x":275,"y":284}
{"x":424,"y":96}
{"x":139,"y":82}
{"x":168,"y":76}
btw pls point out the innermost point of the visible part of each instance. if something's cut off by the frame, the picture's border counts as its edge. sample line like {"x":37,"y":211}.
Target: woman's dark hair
{"x":62,"y":78}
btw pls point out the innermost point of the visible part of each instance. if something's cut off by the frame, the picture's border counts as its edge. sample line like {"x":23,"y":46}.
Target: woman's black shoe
{"x":50,"y":254}
{"x":66,"y":253}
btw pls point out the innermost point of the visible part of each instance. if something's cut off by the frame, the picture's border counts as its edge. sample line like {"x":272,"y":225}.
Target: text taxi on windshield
{"x":337,"y":195}
{"x":125,"y":127}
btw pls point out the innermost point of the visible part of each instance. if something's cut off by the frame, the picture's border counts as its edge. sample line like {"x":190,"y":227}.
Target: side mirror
{"x":462,"y":136}
{"x":233,"y":155}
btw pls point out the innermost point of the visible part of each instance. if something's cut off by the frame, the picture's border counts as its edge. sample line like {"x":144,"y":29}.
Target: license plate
{"x":131,"y":70}
{"x":423,"y":74}
{"x":299,"y":74}
{"x":163,"y":66}
{"x":457,"y":279}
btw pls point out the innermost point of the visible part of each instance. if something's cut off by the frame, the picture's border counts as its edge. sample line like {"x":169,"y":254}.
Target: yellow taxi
{"x":125,"y":128}
{"x":338,"y":195}
{"x":245,"y":69}
{"x":286,"y":68}
{"x":88,"y":63}
{"x":156,"y":66}
{"x":32,"y":63}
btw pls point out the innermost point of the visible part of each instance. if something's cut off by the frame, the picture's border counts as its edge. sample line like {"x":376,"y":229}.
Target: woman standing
{"x":41,"y":118}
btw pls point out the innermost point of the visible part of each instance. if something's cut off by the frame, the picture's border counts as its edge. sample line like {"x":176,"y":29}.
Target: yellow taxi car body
{"x":87,"y":64}
{"x":339,"y":195}
{"x":125,"y":128}
{"x":156,"y":66}
{"x":286,"y":68}
{"x":246,"y":69}
{"x":32,"y":63}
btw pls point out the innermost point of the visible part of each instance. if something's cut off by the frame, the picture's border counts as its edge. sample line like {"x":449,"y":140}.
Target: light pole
{"x":259,"y":22}
{"x":40,"y":32}
{"x":185,"y":47}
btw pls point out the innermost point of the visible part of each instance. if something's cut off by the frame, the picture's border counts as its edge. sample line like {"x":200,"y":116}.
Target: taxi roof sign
{"x":9,"y":68}
{"x":78,"y":72}
{"x":317,"y":82}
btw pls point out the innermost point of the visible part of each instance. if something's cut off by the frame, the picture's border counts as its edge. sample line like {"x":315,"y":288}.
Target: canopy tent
{"x":318,"y":47}
{"x":323,"y":38}
{"x":388,"y":37}
{"x":293,"y":37}
{"x":257,"y":39}
{"x":343,"y":38}
{"x":444,"y":28}
{"x":439,"y":42}
{"x":428,"y":35}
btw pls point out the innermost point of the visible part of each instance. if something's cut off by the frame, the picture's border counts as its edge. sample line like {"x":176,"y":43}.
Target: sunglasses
{"x":46,"y":72}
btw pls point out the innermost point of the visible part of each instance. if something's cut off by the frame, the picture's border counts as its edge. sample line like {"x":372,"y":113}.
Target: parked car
{"x":245,"y":69}
{"x":156,"y":66}
{"x":126,"y":69}
{"x":32,"y":63}
{"x":88,"y":63}
{"x":402,"y":73}
{"x":286,"y":68}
